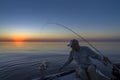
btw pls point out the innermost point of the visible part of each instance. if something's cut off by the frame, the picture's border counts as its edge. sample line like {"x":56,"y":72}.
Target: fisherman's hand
{"x":106,"y":60}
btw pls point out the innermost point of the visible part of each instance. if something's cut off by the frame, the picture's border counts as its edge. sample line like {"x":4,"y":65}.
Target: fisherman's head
{"x":74,"y":44}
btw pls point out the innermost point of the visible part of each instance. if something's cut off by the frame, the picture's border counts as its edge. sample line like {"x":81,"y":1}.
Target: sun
{"x":18,"y":39}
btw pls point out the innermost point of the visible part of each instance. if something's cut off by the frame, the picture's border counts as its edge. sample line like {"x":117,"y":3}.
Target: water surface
{"x":20,"y":61}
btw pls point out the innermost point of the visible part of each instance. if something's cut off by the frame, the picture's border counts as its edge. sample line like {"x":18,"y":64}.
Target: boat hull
{"x":71,"y":75}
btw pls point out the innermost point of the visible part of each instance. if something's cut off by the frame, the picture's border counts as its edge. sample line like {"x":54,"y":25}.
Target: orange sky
{"x":13,"y":33}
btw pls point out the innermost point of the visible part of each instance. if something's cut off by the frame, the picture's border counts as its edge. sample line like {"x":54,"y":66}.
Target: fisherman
{"x":82,"y":54}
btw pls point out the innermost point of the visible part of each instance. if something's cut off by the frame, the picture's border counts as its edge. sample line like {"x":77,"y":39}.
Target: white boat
{"x":103,"y":73}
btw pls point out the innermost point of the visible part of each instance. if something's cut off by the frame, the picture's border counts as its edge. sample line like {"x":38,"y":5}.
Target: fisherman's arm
{"x":70,"y":58}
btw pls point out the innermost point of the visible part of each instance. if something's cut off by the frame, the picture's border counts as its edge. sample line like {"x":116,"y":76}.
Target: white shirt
{"x":82,"y":57}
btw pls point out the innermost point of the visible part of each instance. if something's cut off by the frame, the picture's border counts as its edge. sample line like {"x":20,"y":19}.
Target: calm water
{"x":20,"y":61}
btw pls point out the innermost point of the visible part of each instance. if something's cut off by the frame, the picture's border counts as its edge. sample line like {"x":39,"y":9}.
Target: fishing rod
{"x":78,"y":36}
{"x":81,"y":38}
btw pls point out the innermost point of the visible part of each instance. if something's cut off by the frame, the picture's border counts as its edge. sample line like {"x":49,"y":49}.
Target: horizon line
{"x":62,"y":40}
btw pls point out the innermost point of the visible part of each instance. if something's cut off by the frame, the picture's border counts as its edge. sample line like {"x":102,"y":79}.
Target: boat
{"x":109,"y":72}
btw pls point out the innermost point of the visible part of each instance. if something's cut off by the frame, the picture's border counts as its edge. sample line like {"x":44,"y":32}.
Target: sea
{"x":21,"y":60}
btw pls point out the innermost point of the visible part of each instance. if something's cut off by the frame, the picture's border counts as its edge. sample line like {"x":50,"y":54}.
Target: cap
{"x":73,"y":42}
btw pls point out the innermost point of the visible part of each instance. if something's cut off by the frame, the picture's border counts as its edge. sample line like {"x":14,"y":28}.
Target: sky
{"x":31,"y":19}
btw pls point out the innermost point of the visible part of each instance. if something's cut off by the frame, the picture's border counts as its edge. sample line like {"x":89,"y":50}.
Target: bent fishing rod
{"x":80,"y":37}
